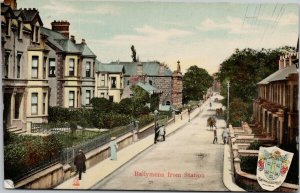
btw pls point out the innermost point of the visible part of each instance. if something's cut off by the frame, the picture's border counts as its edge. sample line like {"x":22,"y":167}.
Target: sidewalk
{"x":98,"y":172}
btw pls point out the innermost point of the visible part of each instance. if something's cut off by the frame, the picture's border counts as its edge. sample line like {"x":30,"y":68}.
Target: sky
{"x":195,"y":33}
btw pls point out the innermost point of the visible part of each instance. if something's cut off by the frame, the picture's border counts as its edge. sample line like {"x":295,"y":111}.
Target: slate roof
{"x":149,"y":68}
{"x":31,"y":14}
{"x":147,"y":87}
{"x":102,"y":67}
{"x":17,"y":12}
{"x":60,"y":41}
{"x":85,"y":50}
{"x":279,"y":75}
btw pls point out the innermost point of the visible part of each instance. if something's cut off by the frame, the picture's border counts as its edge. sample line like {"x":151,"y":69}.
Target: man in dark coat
{"x":156,"y":132}
{"x":79,"y":162}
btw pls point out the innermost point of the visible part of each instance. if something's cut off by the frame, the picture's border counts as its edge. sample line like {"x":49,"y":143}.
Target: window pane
{"x":34,"y":103}
{"x":34,"y":98}
{"x":71,"y":98}
{"x":71,"y":67}
{"x":34,"y":71}
{"x":34,"y":61}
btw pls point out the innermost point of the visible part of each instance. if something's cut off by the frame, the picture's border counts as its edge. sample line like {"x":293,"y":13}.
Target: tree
{"x":244,"y":69}
{"x":196,"y":81}
{"x":102,"y":105}
{"x":134,"y":59}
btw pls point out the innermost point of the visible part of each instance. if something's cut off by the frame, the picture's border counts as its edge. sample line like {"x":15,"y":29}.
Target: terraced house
{"x":276,"y":110}
{"x":71,"y":68}
{"x":41,"y":67}
{"x":25,"y":73}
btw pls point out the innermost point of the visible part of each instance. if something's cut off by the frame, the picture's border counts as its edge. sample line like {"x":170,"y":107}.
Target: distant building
{"x":109,"y":81}
{"x":155,"y":74}
{"x":24,"y":65}
{"x":276,"y":109}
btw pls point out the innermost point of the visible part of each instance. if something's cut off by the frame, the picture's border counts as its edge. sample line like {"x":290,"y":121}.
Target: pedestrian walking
{"x":225,"y":135}
{"x":113,"y":148}
{"x":156,"y":132}
{"x":215,"y":136}
{"x":162,"y":132}
{"x":79,"y":162}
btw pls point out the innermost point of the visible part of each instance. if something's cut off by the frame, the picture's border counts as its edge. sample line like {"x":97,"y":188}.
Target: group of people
{"x":225,"y":135}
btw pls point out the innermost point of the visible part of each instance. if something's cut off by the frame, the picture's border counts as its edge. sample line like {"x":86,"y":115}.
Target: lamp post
{"x":155,"y":118}
{"x":189,"y":112}
{"x":173,"y":114}
{"x":228,"y":86}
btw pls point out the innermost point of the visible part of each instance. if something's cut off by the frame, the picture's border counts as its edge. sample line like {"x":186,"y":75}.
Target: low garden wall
{"x":246,"y":180}
{"x":58,"y":173}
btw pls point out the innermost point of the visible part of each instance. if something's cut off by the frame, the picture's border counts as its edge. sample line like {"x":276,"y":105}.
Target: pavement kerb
{"x":228,"y":171}
{"x":128,"y":155}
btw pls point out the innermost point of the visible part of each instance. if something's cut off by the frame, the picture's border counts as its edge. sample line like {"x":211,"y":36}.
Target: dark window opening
{"x":113,"y":82}
{"x":6,"y":65}
{"x":19,"y":65}
{"x":34,"y":71}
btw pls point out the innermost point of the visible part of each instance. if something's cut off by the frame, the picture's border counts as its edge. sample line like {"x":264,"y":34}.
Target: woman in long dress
{"x":113,"y":148}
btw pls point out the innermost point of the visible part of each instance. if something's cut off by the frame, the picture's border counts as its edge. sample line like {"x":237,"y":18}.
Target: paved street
{"x":187,"y":160}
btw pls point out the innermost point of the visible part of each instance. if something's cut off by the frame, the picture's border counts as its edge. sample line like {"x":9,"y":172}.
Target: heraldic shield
{"x":272,"y":167}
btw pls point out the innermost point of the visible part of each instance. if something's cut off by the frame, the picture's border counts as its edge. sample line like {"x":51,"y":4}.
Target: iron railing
{"x":50,"y":127}
{"x":67,"y":155}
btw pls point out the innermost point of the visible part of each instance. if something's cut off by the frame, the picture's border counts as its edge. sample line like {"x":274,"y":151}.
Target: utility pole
{"x":228,"y":86}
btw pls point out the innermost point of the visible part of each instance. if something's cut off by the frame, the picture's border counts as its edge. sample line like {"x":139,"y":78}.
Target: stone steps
{"x":14,"y":129}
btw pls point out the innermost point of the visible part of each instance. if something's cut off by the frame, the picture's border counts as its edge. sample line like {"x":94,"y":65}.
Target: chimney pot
{"x":61,"y":27}
{"x":73,"y":39}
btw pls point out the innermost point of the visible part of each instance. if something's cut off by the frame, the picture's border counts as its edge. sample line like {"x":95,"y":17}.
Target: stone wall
{"x":58,"y":173}
{"x":163,"y":83}
{"x":238,"y":142}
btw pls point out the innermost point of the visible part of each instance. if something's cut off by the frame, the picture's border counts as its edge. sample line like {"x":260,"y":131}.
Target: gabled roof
{"x":279,"y":75}
{"x":85,"y":50}
{"x":31,"y":15}
{"x":149,"y":68}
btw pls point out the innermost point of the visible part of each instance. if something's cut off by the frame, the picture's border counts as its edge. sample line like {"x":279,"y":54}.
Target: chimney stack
{"x":61,"y":27}
{"x":139,"y":69}
{"x":11,"y":3}
{"x":73,"y":39}
{"x":83,"y":41}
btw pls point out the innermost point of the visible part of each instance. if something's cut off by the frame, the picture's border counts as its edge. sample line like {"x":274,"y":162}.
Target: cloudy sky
{"x":202,"y":34}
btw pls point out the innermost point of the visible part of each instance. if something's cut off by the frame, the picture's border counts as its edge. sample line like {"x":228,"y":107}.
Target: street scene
{"x":150,"y":96}
{"x":186,"y":161}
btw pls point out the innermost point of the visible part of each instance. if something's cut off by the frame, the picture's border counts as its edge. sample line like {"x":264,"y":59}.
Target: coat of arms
{"x":272,"y":167}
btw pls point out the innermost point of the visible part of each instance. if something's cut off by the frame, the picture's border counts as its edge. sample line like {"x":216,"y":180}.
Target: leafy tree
{"x":244,"y":69}
{"x":238,"y":112}
{"x":196,"y":81}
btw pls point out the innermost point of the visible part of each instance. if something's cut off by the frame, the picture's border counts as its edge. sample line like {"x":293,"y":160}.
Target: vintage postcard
{"x":150,"y":95}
